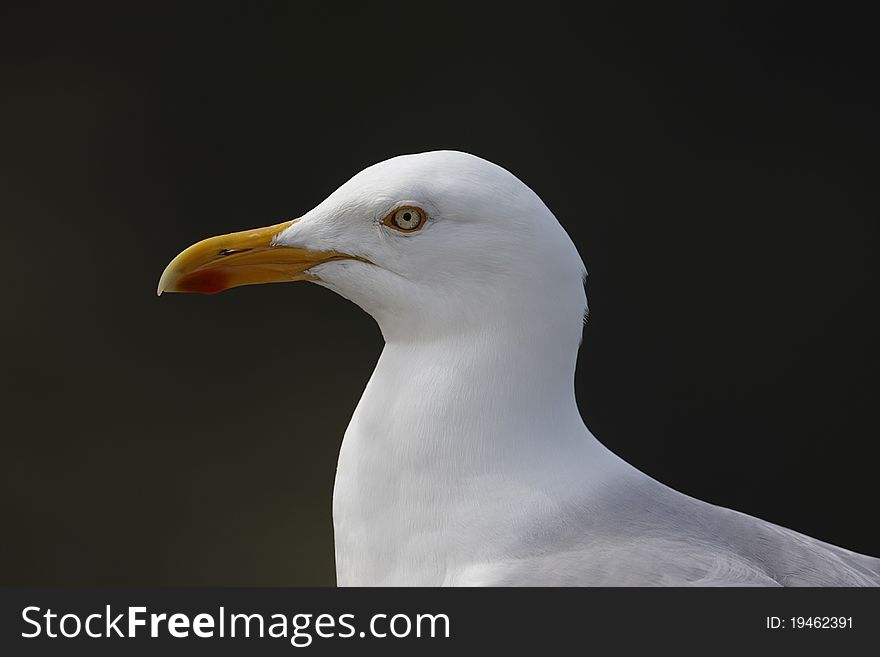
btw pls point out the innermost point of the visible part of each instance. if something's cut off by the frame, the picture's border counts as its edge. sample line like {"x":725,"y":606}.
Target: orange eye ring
{"x":406,"y":219}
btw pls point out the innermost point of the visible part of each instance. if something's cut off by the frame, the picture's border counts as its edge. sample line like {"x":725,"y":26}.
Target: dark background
{"x":715,"y":166}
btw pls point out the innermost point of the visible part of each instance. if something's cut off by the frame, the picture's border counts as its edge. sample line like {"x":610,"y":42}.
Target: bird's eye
{"x":407,"y":219}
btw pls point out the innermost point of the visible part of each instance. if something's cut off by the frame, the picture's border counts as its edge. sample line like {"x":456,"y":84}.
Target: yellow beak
{"x":246,"y":258}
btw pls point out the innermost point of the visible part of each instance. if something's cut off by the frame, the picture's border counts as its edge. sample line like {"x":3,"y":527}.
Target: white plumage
{"x":466,"y":461}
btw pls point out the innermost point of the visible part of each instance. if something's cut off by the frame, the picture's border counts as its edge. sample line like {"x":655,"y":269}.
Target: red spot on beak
{"x":208,"y":281}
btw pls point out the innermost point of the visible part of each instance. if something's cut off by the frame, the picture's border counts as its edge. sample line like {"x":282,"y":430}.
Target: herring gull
{"x":466,"y":461}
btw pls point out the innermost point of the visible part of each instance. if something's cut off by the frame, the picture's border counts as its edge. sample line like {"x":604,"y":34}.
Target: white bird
{"x":466,"y":461}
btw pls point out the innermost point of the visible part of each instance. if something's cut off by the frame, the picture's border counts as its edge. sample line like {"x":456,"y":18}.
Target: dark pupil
{"x":407,"y":216}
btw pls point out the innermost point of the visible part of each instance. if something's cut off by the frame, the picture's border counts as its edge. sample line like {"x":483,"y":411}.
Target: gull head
{"x":430,"y":245}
